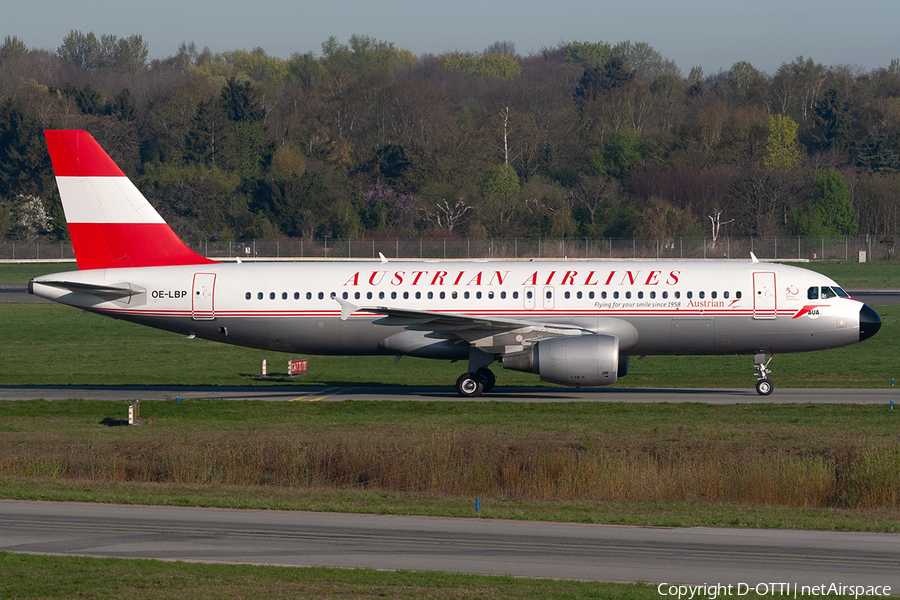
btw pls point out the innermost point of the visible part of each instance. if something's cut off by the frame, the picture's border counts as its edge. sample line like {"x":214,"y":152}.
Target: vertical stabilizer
{"x":110,"y":222}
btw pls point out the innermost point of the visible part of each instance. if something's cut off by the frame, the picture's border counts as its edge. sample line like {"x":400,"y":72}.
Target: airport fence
{"x":785,"y":248}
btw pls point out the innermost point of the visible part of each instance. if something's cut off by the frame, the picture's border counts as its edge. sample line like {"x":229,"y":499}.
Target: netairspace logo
{"x":780,"y":589}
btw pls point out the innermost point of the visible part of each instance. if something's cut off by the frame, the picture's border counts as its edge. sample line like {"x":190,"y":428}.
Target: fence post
{"x":776,"y":247}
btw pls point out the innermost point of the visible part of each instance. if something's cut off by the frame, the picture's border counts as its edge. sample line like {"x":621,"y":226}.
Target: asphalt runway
{"x":447,"y":393}
{"x":695,"y":555}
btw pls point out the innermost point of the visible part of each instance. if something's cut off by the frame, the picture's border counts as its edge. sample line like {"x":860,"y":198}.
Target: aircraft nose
{"x":869,"y":322}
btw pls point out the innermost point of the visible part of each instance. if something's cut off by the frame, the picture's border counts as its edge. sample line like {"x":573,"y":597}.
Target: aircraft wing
{"x":491,"y":334}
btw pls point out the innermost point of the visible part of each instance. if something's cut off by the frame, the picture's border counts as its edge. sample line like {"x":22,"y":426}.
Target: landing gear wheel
{"x":469,"y":385}
{"x":764,"y":387}
{"x":488,"y":379}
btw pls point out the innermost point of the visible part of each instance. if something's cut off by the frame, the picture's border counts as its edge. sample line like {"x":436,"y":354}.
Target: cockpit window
{"x":840,"y":292}
{"x":813,"y":293}
{"x":827,"y":293}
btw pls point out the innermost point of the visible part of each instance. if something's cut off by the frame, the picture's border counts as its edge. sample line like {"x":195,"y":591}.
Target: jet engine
{"x":588,"y":360}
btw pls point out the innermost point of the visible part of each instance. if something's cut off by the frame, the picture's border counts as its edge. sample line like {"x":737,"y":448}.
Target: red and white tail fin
{"x":111,"y":223}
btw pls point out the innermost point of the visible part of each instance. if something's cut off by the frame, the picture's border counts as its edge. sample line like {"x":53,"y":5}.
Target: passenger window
{"x":430,"y":295}
{"x":393,"y":295}
{"x":690,"y":295}
{"x":591,"y":295}
{"x":578,"y":295}
{"x":308,"y":295}
{"x":640,"y":295}
{"x":568,"y":295}
{"x":406,"y":295}
{"x":248,"y":295}
{"x":813,"y":293}
{"x":490,"y":295}
{"x":737,"y":295}
{"x":345,"y":295}
{"x":368,"y":295}
{"x":677,"y":295}
{"x":418,"y":295}
{"x":549,"y":294}
{"x":284,"y":295}
{"x":702,"y":294}
{"x":443,"y":295}
{"x":454,"y":295}
{"x":478,"y":295}
{"x":466,"y":295}
{"x":271,"y":295}
{"x":321,"y":295}
{"x":725,"y":295}
{"x":713,"y":295}
{"x":527,"y":295}
{"x":628,"y":295}
{"x":603,"y":295}
{"x":515,"y":295}
{"x":356,"y":295}
{"x":652,"y":295}
{"x":381,"y":295}
{"x":665,"y":295}
{"x":616,"y":295}
{"x":503,"y":295}
{"x":297,"y":295}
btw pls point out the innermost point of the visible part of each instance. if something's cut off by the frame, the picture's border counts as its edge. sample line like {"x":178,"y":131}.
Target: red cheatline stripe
{"x":77,"y":154}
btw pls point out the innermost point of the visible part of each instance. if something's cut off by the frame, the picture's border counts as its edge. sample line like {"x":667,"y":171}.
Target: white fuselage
{"x":653,"y":307}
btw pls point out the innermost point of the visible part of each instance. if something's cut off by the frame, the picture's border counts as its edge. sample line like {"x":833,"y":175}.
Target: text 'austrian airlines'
{"x":572,"y":323}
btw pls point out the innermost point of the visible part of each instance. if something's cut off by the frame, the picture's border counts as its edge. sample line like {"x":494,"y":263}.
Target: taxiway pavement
{"x":695,"y":555}
{"x":310,"y":393}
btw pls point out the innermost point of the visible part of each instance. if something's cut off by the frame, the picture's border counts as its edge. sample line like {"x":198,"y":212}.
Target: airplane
{"x":571,"y":323}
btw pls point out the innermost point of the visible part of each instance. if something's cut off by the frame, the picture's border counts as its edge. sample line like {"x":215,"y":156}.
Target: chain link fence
{"x":508,"y":248}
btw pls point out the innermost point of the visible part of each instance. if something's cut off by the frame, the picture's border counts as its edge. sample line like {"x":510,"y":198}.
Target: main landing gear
{"x":479,"y":379}
{"x":472,"y":385}
{"x":764,"y":387}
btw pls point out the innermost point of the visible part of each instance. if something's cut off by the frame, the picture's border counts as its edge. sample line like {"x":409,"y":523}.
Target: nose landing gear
{"x":764,"y":387}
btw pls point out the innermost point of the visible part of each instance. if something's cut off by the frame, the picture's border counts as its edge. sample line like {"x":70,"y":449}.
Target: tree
{"x":29,"y":218}
{"x":646,"y":63}
{"x":498,"y":187}
{"x":587,"y":54}
{"x":831,"y":200}
{"x":781,"y":147}
{"x":595,"y":81}
{"x":833,"y":127}
{"x":12,"y":47}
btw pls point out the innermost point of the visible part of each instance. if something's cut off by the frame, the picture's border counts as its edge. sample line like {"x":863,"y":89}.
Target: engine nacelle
{"x":587,"y":360}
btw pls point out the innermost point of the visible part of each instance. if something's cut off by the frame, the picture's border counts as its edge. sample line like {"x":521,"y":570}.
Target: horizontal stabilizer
{"x":114,"y":291}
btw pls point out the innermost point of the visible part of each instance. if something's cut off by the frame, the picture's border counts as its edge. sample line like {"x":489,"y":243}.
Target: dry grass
{"x":474,"y":464}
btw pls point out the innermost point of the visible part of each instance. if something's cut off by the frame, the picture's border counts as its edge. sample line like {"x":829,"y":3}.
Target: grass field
{"x":76,"y":577}
{"x":794,"y":466}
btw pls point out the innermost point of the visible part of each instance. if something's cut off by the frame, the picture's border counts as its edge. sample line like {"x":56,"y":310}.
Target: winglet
{"x":347,"y":309}
{"x":381,"y":256}
{"x":753,"y":257}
